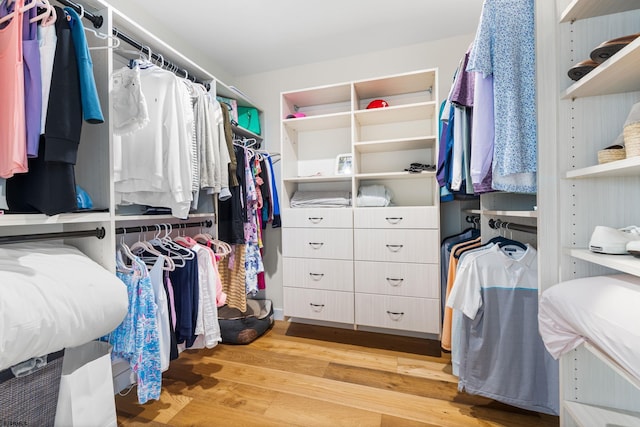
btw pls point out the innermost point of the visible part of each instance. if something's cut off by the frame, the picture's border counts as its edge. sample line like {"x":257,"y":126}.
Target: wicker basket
{"x":611,"y":154}
{"x":31,"y":400}
{"x":632,"y":139}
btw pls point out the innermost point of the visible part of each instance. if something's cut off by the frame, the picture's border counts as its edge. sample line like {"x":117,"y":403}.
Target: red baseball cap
{"x":378,"y":103}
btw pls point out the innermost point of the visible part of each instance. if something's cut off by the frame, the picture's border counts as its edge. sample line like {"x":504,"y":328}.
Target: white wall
{"x":137,"y":13}
{"x":265,"y":88}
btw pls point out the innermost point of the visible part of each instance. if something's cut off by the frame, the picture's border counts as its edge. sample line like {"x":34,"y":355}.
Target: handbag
{"x":249,"y":119}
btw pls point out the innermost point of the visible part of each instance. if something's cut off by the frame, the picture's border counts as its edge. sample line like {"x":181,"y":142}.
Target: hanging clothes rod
{"x":497,"y":224}
{"x":158,"y":57}
{"x":98,"y":232}
{"x":145,"y":228}
{"x":96,"y":20}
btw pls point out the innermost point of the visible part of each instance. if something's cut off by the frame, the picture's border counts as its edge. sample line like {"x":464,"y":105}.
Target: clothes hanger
{"x":157,"y":242}
{"x":116,"y":41}
{"x":141,"y":247}
{"x":123,"y":248}
{"x":48,"y":16}
{"x":8,"y":16}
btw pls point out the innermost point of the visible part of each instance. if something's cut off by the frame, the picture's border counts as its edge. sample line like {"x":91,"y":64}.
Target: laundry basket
{"x":29,"y":391}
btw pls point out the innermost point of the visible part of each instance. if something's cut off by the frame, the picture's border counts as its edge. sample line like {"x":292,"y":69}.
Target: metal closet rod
{"x":96,"y":20}
{"x":158,"y":57}
{"x":145,"y":228}
{"x":497,"y":224}
{"x":98,"y":232}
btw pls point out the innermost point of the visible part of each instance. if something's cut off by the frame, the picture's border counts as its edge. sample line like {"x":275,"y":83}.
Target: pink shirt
{"x":13,"y":133}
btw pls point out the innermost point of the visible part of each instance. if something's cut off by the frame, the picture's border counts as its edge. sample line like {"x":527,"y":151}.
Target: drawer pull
{"x":316,"y":245}
{"x":394,"y":219}
{"x":394,"y":282}
{"x":394,"y":248}
{"x":316,"y":276}
{"x":394,"y":315}
{"x":316,"y":219}
{"x":316,"y":307}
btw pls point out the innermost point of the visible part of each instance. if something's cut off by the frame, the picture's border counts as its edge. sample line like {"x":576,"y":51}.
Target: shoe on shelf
{"x":633,"y":247}
{"x":581,"y":69}
{"x":420,"y":167}
{"x":608,"y":240}
{"x":609,"y":48}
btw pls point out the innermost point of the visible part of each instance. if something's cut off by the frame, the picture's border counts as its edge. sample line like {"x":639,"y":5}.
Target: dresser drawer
{"x":328,"y":274}
{"x":332,"y":306}
{"x":327,"y":243}
{"x":318,"y":217}
{"x":404,"y":217}
{"x":405,"y":313}
{"x":421,"y":246}
{"x":395,"y":278}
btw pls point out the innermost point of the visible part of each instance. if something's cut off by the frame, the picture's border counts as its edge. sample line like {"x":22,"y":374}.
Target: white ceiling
{"x":253,"y":36}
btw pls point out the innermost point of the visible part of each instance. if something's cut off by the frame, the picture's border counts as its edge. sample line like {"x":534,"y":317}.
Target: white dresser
{"x":374,"y":267}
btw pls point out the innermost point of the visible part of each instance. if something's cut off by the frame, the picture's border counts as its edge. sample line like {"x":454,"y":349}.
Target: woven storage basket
{"x":632,"y":139}
{"x":31,"y":400}
{"x":611,"y":155}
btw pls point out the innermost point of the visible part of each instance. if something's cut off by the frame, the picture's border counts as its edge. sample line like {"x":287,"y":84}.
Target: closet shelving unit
{"x":594,"y":390}
{"x":94,"y":168}
{"x":366,"y":267}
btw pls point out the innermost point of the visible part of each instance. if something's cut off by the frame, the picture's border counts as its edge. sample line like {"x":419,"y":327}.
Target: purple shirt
{"x":32,"y":81}
{"x":463,"y":85}
{"x":482,"y":131}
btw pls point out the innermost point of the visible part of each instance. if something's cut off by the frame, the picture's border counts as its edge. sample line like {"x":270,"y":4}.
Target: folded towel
{"x":321,"y":199}
{"x":374,"y":196}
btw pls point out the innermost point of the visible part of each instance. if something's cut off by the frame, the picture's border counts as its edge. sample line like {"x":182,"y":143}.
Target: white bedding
{"x":52,"y":297}
{"x":602,"y":310}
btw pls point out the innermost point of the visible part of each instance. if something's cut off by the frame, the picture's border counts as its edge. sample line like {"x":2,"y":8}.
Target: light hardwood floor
{"x":300,"y":375}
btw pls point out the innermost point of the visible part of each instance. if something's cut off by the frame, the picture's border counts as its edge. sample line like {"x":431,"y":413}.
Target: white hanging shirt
{"x":152,"y":166}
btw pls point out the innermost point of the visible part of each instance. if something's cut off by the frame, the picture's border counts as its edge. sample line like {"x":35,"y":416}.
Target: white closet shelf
{"x":612,"y":364}
{"x":160,"y":218}
{"x":624,"y":263}
{"x":323,"y":122}
{"x":400,"y":144}
{"x":395,"y":175}
{"x":395,"y":114}
{"x":325,"y":178}
{"x":616,"y":75}
{"x":37,"y":219}
{"x":619,"y":168}
{"x":591,"y":416}
{"x":394,"y":85}
{"x":517,"y":214}
{"x":583,"y":9}
{"x":239,"y":130}
{"x":320,"y":95}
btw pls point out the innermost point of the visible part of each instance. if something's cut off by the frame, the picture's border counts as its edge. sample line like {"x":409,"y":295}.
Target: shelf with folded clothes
{"x":617,"y":74}
{"x":583,"y":9}
{"x":623,"y":263}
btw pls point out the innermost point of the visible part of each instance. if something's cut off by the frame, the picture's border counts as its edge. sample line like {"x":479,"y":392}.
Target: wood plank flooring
{"x":301,"y":375}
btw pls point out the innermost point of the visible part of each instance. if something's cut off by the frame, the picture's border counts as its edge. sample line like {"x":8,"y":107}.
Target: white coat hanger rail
{"x":96,"y":20}
{"x":157,"y":57}
{"x":145,"y":228}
